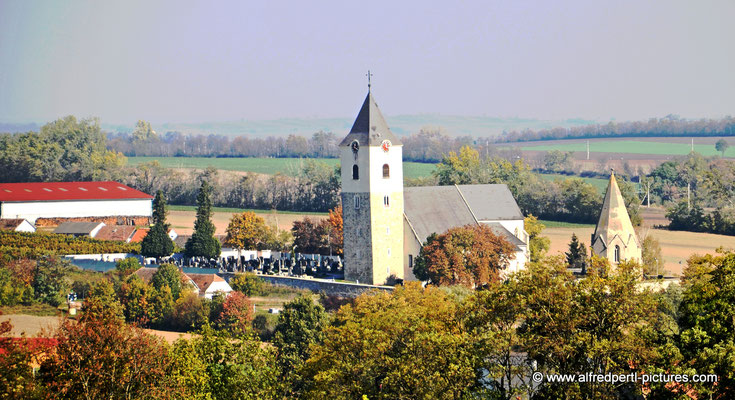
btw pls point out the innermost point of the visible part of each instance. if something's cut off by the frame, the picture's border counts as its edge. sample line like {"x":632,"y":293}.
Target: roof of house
{"x":370,"y":128}
{"x":139,"y":235}
{"x":145,"y":274}
{"x":204,"y":281}
{"x":500,"y":230}
{"x":11,"y":223}
{"x":54,"y":191}
{"x":436,"y":209}
{"x":491,"y":202}
{"x":77,"y":228}
{"x":115,"y":232}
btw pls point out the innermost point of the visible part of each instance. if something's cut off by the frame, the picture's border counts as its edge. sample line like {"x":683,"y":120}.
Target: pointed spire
{"x":614,"y":219}
{"x":370,"y":128}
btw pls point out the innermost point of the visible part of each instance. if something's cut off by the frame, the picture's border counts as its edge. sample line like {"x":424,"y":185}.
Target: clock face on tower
{"x":385,"y":145}
{"x":355,"y":146}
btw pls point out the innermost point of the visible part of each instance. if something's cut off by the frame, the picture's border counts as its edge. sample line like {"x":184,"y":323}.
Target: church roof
{"x":614,"y":219}
{"x":370,"y":128}
{"x":436,"y":209}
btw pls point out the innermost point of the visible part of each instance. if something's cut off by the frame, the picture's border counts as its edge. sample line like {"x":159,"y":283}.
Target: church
{"x":614,"y":237}
{"x":385,"y":224}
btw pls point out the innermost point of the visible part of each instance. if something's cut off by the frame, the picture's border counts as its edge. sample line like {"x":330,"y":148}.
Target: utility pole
{"x":588,"y":150}
{"x":692,"y":145}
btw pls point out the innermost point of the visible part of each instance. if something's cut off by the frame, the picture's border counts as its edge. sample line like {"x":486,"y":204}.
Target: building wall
{"x":628,"y":251}
{"x":118,"y":220}
{"x":358,"y":254}
{"x":75,"y":209}
{"x":411,"y":249}
{"x":25,"y":226}
{"x":215,"y":287}
{"x":373,"y":233}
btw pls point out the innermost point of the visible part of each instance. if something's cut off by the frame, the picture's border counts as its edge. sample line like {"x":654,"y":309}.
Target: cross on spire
{"x":369,"y":75}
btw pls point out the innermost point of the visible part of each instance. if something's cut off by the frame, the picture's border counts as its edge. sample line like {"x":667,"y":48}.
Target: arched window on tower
{"x":386,"y":171}
{"x":617,"y":254}
{"x":355,"y":172}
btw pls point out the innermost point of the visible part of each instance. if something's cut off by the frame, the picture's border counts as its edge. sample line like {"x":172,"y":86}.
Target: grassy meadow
{"x":287,"y":166}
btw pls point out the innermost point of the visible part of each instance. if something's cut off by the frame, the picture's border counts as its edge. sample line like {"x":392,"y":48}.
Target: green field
{"x":633,"y":147}
{"x":560,"y":224}
{"x":599,"y":183}
{"x":288,"y":166}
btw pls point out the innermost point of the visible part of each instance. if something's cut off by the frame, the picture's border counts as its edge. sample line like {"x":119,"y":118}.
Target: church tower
{"x":614,"y":237}
{"x":372,"y":198}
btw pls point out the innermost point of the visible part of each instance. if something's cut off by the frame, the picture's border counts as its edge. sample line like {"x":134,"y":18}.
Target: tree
{"x":722,"y":146}
{"x":300,"y":326}
{"x":17,"y":357}
{"x":202,"y":243}
{"x":168,"y":275}
{"x":247,"y":231}
{"x":537,"y":245}
{"x":706,"y":315}
{"x":471,"y":255}
{"x":236,"y":314}
{"x":49,"y":283}
{"x":157,"y":243}
{"x":407,"y":344}
{"x":459,"y":169}
{"x":310,"y":237}
{"x":189,"y":313}
{"x":491,"y":318}
{"x":215,"y":366}
{"x":577,"y":254}
{"x":127,"y":266}
{"x":603,"y":322}
{"x":101,"y":357}
{"x":248,"y":284}
{"x":143,"y":132}
{"x":336,"y":230}
{"x":652,"y":258}
{"x":558,"y":161}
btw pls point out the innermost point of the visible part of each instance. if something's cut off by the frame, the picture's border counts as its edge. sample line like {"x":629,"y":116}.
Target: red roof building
{"x":72,"y":200}
{"x":55,"y":191}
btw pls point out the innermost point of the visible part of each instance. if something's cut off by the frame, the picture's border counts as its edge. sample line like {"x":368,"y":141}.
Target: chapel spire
{"x":614,"y":237}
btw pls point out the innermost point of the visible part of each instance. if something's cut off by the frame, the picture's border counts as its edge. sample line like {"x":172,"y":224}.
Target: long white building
{"x":72,"y":201}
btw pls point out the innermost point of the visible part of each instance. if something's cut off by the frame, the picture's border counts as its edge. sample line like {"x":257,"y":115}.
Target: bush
{"x":248,"y":284}
{"x":128,"y":265}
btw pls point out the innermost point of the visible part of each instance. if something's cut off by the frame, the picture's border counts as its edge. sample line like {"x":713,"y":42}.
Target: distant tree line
{"x":428,"y":145}
{"x":671,"y":125}
{"x":564,"y":199}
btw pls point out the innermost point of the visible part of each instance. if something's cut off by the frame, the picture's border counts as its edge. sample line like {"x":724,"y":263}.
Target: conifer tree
{"x":577,"y":254}
{"x":202,"y":242}
{"x":157,"y":243}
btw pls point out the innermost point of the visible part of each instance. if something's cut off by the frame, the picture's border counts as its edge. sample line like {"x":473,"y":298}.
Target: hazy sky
{"x":186,"y":61}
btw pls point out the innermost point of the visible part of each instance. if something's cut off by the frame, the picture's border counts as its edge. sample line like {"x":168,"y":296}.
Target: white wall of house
{"x":33,"y":210}
{"x":25,"y":226}
{"x":215,"y":287}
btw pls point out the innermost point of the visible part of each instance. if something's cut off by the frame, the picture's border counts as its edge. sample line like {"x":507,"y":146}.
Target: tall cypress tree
{"x":577,"y":254}
{"x":202,"y":242}
{"x":157,"y":243}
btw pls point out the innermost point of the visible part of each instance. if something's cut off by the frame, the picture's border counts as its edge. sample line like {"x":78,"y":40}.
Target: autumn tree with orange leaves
{"x":470,"y":255}
{"x":336,"y":231}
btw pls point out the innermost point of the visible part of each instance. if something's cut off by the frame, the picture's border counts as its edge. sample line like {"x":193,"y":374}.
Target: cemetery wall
{"x":319,"y":285}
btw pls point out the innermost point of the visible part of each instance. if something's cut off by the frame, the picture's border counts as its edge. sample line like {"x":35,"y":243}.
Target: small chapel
{"x":384,"y":225}
{"x":614,"y":237}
